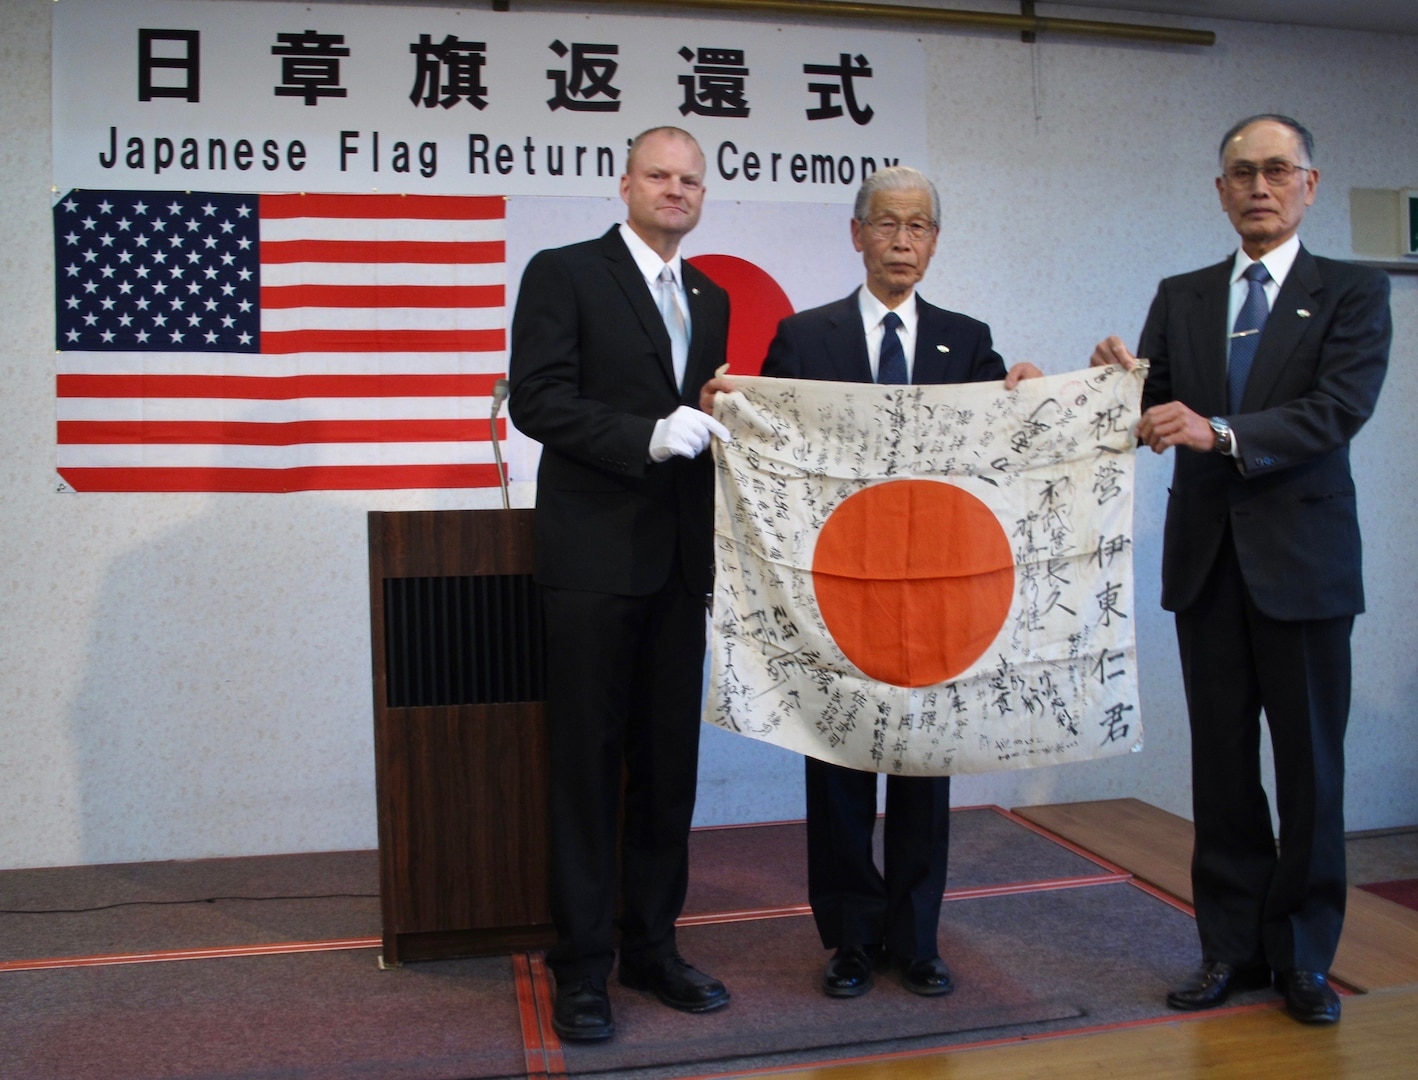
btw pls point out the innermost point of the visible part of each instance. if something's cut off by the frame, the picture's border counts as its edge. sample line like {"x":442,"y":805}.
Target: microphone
{"x":499,"y":395}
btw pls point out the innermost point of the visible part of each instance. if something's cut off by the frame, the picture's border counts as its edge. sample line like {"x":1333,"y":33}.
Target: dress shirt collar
{"x":1277,"y":263}
{"x":873,"y":311}
{"x":648,"y":259}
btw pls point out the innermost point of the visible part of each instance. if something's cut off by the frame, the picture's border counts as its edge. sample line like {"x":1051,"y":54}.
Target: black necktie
{"x":1245,"y":336}
{"x":891,"y":364}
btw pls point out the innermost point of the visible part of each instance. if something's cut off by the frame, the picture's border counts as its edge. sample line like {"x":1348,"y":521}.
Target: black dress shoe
{"x":583,"y":1010}
{"x":929,"y":978}
{"x":675,"y":983}
{"x":1214,"y":982}
{"x":1308,"y":997}
{"x":848,"y":973}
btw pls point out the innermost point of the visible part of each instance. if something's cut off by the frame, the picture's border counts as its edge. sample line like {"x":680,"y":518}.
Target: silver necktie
{"x":668,"y":297}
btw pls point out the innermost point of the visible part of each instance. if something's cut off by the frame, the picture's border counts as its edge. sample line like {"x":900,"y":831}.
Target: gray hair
{"x":1307,"y":141}
{"x":895,"y":178}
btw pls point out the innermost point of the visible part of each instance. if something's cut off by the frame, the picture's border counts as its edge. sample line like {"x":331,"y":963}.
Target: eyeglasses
{"x":1277,"y":173}
{"x":887,"y":228}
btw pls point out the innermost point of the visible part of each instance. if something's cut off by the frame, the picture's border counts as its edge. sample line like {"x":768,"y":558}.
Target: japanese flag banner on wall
{"x":928,"y":580}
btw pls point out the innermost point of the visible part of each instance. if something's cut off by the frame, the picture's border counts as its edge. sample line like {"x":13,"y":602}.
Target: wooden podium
{"x":459,"y":733}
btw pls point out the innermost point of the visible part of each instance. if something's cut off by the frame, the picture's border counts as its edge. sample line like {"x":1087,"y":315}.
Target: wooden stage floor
{"x":1378,"y":956}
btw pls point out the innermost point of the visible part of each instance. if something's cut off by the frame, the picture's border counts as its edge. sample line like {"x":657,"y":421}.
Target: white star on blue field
{"x":157,"y":271}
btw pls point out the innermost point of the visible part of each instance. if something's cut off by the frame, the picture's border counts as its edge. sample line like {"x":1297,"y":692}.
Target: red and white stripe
{"x":383,"y":334}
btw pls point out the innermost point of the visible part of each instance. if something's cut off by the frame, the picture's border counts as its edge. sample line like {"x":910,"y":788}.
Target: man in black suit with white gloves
{"x":611,"y":341}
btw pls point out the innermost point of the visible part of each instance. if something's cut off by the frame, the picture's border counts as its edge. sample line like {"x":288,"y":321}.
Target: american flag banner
{"x":928,"y":580}
{"x":289,"y":342}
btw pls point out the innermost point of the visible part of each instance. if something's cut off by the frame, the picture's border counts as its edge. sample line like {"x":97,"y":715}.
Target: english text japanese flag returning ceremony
{"x":928,"y":580}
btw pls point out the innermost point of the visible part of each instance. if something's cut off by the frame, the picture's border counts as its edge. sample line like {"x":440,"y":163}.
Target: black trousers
{"x":624,"y":681}
{"x":855,"y":903}
{"x":1256,"y":903}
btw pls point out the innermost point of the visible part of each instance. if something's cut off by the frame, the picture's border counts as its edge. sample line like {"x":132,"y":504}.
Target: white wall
{"x":188,"y":675}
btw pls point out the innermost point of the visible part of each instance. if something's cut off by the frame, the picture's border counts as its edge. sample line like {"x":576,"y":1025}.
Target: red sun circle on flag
{"x":914,"y":579}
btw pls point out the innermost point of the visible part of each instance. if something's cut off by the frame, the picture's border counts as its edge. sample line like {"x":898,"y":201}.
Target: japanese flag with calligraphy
{"x":928,"y":580}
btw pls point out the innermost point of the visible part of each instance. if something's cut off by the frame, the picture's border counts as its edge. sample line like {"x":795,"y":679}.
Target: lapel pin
{"x":942,"y":348}
{"x":1304,"y":313}
{"x":696,"y":292}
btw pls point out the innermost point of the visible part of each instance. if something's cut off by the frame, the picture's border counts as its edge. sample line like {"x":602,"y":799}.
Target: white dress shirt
{"x":650,"y":264}
{"x":873,"y":311}
{"x":1277,"y":265}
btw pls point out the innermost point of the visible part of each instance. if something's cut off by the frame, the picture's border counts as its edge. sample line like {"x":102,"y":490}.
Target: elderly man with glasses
{"x":1263,"y":368}
{"x":883,"y":333}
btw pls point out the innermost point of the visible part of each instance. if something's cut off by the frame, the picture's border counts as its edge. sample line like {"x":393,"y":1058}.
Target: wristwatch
{"x":1222,"y":431}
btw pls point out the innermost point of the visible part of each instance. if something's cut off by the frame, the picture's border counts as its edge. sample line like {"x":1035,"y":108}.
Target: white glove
{"x":685,"y":432}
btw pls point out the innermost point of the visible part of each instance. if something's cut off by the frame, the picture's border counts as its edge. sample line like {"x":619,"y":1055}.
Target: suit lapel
{"x":694,"y":282}
{"x":1283,"y":329}
{"x":632,"y":282}
{"x":846,"y":341}
{"x":933,"y":354}
{"x":1210,"y":335}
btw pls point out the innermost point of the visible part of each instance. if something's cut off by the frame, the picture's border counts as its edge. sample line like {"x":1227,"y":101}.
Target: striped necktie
{"x":1245,"y":335}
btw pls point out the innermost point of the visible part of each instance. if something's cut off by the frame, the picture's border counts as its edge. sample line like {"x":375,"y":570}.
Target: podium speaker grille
{"x":471,"y":640}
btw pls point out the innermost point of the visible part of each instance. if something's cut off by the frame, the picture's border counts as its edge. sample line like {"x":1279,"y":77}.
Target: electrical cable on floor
{"x":169,"y":903}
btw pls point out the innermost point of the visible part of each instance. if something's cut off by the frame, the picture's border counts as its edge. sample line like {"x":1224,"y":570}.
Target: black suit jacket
{"x":829,"y":342}
{"x":1289,"y":499}
{"x":591,"y":372}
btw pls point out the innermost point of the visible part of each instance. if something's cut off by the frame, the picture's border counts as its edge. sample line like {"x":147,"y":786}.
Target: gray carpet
{"x":1025,"y":962}
{"x":316,"y":1016}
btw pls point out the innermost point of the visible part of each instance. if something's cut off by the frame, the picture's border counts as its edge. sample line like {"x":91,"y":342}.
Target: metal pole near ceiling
{"x":1024,"y":24}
